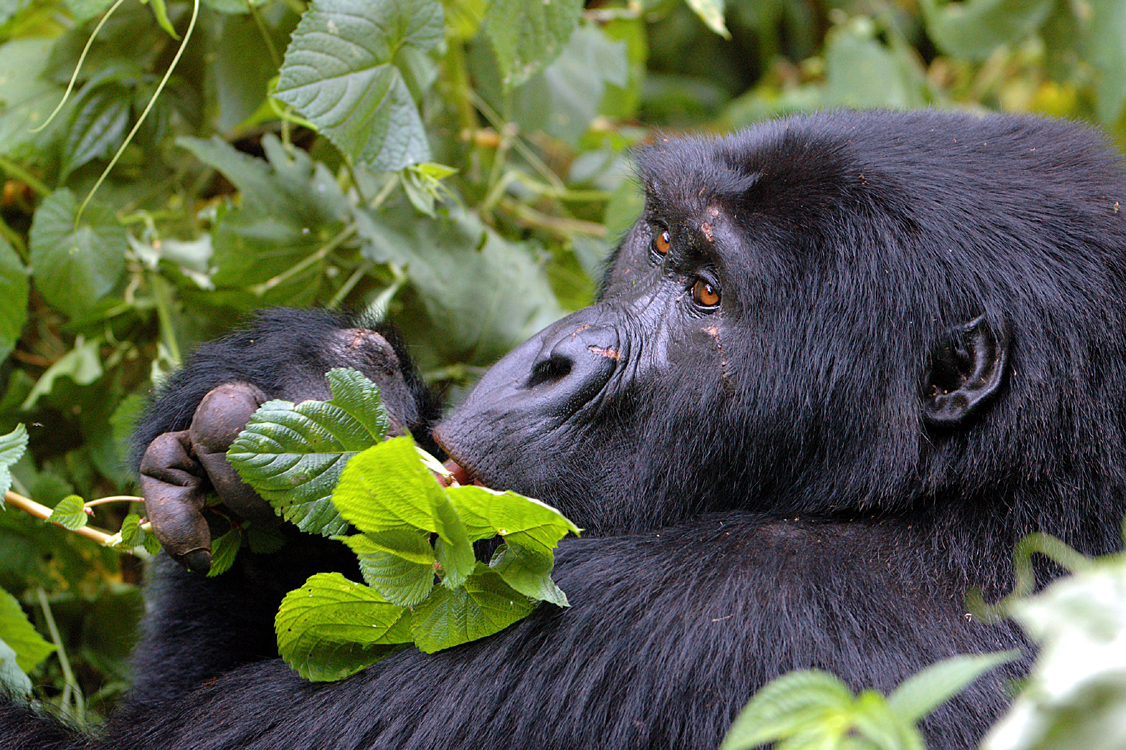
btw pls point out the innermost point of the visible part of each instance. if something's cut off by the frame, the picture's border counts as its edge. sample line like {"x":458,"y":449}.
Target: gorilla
{"x":838,"y":367}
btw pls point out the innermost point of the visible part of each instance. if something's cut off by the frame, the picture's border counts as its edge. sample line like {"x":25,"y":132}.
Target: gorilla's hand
{"x":285,"y":355}
{"x":179,"y":467}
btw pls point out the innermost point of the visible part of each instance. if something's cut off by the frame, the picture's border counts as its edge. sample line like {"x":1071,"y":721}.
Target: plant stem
{"x":69,"y":683}
{"x":21,"y":174}
{"x":259,"y":289}
{"x":28,"y":505}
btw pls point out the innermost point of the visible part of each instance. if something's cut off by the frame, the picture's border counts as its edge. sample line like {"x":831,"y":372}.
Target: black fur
{"x":763,"y":486}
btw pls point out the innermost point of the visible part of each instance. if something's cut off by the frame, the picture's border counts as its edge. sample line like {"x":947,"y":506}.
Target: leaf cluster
{"x":326,"y":467}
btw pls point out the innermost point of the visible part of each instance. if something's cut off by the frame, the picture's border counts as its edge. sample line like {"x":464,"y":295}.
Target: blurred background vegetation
{"x":464,"y":171}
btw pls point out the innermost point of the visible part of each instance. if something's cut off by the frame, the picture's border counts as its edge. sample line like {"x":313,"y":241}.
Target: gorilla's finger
{"x":172,"y":484}
{"x":220,"y":417}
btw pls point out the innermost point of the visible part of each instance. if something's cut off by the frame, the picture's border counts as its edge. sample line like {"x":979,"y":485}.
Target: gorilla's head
{"x":841,"y":314}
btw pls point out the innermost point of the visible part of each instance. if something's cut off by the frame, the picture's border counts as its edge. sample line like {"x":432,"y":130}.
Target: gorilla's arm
{"x":197,"y":628}
{"x":669,"y":633}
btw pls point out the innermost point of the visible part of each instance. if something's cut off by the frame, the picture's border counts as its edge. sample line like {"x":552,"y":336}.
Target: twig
{"x":42,"y":511}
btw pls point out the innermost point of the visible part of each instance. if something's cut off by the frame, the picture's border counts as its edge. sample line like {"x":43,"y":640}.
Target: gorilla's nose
{"x":582,"y":354}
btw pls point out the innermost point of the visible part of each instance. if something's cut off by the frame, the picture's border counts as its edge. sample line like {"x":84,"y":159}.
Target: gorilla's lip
{"x":459,"y":472}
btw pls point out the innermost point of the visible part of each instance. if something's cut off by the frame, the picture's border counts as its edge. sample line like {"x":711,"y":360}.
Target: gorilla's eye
{"x":662,"y":242}
{"x":705,"y":294}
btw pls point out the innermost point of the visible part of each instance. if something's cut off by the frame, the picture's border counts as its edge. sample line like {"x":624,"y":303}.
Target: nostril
{"x":556,"y":367}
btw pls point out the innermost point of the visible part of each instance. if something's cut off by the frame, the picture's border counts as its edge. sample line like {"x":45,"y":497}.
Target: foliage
{"x":811,"y":709}
{"x":462,"y":168}
{"x":1075,"y":696}
{"x":322,"y":466}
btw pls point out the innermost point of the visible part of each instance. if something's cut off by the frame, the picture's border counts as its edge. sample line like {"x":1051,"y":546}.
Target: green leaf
{"x":400,"y":580}
{"x":520,"y":520}
{"x":359,"y":397}
{"x":528,"y":35}
{"x":130,"y":533}
{"x":566,"y":96}
{"x":12,"y":678}
{"x":331,"y":627}
{"x":787,"y":706}
{"x":70,"y":513}
{"x":387,"y":488}
{"x":82,"y":364}
{"x":17,"y":632}
{"x":294,"y":455}
{"x":861,"y":72}
{"x":13,"y":297}
{"x":74,"y":268}
{"x":27,"y":95}
{"x":344,"y":72}
{"x":450,"y":617}
{"x":97,"y":128}
{"x":711,"y":13}
{"x":529,"y":573}
{"x":975,"y":28}
{"x":224,"y":550}
{"x":924,"y":692}
{"x":12,"y":447}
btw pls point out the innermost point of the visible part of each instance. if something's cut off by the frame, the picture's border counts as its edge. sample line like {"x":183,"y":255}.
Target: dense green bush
{"x":465,"y":170}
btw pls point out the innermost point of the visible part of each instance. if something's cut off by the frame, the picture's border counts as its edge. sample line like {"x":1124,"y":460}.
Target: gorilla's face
{"x":787,"y":328}
{"x":624,"y":399}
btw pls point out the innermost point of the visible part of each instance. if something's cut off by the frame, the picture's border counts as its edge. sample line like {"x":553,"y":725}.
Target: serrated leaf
{"x":13,"y":297}
{"x":224,"y":550}
{"x":358,"y":396}
{"x":529,"y":573}
{"x":484,"y":606}
{"x":786,"y":706}
{"x":70,"y":513}
{"x":528,"y":35}
{"x":12,"y":447}
{"x":130,"y":534}
{"x":399,"y":580}
{"x":97,"y":128}
{"x":922,"y":693}
{"x":521,"y":520}
{"x":387,"y":488}
{"x":75,"y":268}
{"x":151,"y":543}
{"x":344,"y":72}
{"x":331,"y":627}
{"x":294,"y":455}
{"x":20,"y":635}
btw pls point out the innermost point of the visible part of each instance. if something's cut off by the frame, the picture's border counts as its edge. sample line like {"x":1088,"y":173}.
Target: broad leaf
{"x":12,"y":447}
{"x":82,"y":364}
{"x":75,"y":267}
{"x":976,"y":28}
{"x":97,"y":128}
{"x":786,"y":706}
{"x":13,"y":297}
{"x":294,"y":455}
{"x":529,"y":573}
{"x":401,"y":580}
{"x":223,"y":552}
{"x":20,"y":635}
{"x":450,"y":617}
{"x":331,"y":627}
{"x":70,"y":513}
{"x":924,"y":692}
{"x":521,"y":520}
{"x":529,"y":35}
{"x":344,"y":72}
{"x":387,"y":488}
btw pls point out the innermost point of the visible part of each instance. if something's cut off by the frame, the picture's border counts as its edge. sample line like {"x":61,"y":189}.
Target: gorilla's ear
{"x":965,"y":370}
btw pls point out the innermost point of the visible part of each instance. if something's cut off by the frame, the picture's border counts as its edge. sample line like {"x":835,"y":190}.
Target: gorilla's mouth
{"x":458,"y":474}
